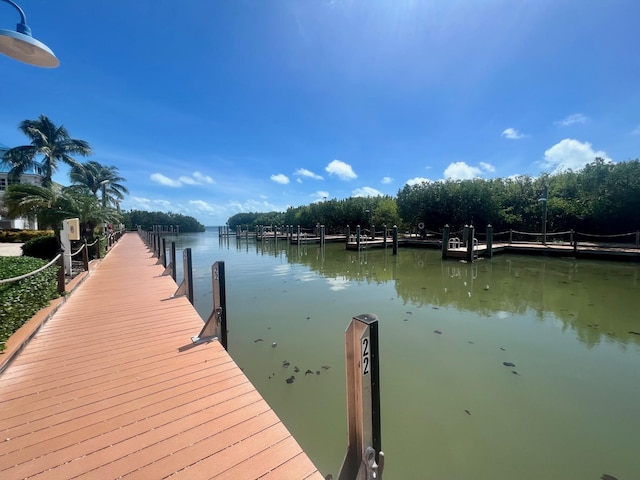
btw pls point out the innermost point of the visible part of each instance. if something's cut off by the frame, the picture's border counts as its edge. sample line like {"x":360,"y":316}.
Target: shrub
{"x":45,"y":247}
{"x":20,"y":300}
{"x":21,"y":236}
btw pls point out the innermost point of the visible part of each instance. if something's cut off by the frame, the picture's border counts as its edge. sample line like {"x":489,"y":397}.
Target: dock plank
{"x":111,"y":386}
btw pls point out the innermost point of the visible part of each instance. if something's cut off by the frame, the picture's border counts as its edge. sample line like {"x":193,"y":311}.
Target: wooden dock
{"x":112,"y":386}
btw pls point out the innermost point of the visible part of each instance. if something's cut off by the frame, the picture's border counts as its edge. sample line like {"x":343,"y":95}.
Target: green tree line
{"x":601,"y":198}
{"x":134,"y":218}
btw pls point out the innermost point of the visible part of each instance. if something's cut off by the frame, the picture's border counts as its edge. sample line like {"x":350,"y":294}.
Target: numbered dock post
{"x":364,"y":459}
{"x":216,"y":324}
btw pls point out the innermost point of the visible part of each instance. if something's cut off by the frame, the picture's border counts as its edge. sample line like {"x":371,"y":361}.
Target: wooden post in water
{"x":364,"y":459}
{"x":384,"y":236}
{"x":575,"y":245}
{"x":489,"y":241}
{"x":470,"y":231}
{"x":445,"y":241}
{"x":347,"y":234}
{"x":358,"y":237}
{"x":395,"y":239}
{"x":510,"y":236}
{"x":322,"y":234}
{"x":465,"y":235}
{"x":298,"y":235}
{"x":373,"y":232}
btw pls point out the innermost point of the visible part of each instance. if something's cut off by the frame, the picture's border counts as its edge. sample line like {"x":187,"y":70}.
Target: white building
{"x":30,"y":177}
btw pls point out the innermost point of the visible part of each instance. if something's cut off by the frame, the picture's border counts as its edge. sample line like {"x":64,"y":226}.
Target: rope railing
{"x":617,"y":235}
{"x":92,"y":244}
{"x":27,"y":275}
{"x":77,"y":252}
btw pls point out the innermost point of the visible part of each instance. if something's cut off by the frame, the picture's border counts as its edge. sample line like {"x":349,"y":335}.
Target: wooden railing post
{"x":216,"y":324}
{"x":364,"y":458}
{"x":85,"y":256}
{"x":98,"y":251}
{"x":171,"y":268}
{"x":186,"y":287}
{"x":61,"y":286}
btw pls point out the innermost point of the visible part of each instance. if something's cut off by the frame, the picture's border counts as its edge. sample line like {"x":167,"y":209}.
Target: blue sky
{"x":213,"y":108}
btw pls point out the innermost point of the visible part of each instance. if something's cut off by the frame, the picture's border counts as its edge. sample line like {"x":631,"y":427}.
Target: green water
{"x":572,"y":411}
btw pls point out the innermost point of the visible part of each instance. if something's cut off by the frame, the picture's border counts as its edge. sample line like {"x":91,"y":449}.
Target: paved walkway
{"x":10,"y":249}
{"x":111,"y":386}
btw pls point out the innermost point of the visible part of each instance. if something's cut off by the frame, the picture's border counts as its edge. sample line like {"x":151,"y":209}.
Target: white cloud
{"x":196,"y":178}
{"x":340,"y":169}
{"x":487,"y":167}
{"x":461,"y":171}
{"x":202,"y":206}
{"x":571,"y":119}
{"x":166,"y":181}
{"x":512,"y":134}
{"x":320,"y":195}
{"x":303,"y":172}
{"x":386,"y":180}
{"x":280,"y":178}
{"x":366,"y":192}
{"x":570,"y":154}
{"x":417,"y":181}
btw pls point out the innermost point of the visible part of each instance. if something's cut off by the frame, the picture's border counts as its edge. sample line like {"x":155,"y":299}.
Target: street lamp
{"x":543,"y":199}
{"x":20,"y":45}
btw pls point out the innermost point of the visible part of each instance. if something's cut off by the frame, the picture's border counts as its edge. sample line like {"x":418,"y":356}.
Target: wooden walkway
{"x":111,"y":386}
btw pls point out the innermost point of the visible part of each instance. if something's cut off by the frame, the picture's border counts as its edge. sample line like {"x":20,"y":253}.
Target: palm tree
{"x":49,"y":141}
{"x":54,"y":204}
{"x":95,"y":177}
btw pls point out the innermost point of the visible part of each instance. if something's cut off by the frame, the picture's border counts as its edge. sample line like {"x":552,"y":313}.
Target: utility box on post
{"x":70,"y":231}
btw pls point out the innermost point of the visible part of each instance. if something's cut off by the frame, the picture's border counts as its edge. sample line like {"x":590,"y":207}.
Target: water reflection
{"x":597,"y":300}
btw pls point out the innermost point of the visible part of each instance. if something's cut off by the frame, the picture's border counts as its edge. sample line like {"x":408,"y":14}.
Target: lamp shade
{"x":27,"y":49}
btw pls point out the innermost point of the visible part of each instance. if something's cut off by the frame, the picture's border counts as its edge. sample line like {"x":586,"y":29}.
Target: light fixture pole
{"x":20,"y":45}
{"x":543,"y":199}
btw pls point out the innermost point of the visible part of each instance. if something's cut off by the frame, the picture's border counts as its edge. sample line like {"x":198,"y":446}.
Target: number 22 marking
{"x":365,"y":356}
